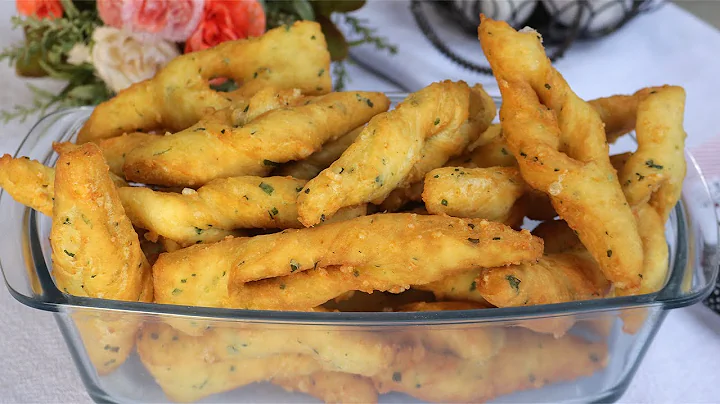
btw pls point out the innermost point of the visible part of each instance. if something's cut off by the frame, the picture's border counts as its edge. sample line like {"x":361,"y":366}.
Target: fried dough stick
{"x":185,"y":375}
{"x":527,"y":361}
{"x":472,"y":343}
{"x":33,"y":184}
{"x":310,"y":167}
{"x":220,"y":205}
{"x":393,"y":241}
{"x":357,"y":352}
{"x":96,"y":252}
{"x":655,"y":172}
{"x":211,"y":150}
{"x":179,"y":94}
{"x":443,"y":146}
{"x":385,"y":152}
{"x":29,"y":182}
{"x":332,"y":387}
{"x":486,"y":193}
{"x":556,"y":278}
{"x":368,"y":263}
{"x":566,"y":157}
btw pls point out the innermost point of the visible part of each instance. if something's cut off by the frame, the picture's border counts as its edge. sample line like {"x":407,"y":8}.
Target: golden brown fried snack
{"x":527,"y":361}
{"x":473,"y":343}
{"x":188,"y":369}
{"x":655,"y":248}
{"x":561,"y":148}
{"x":618,"y":112}
{"x":332,"y":387}
{"x":440,"y":148}
{"x":395,"y":242}
{"x":379,"y":252}
{"x":211,"y":150}
{"x":655,"y":172}
{"x":29,"y":182}
{"x":114,"y":149}
{"x":489,"y":150}
{"x":211,"y":212}
{"x":385,"y":152}
{"x":558,"y":237}
{"x":555,"y":278}
{"x":96,"y":252}
{"x":358,"y":352}
{"x":485,"y":193}
{"x":310,"y":167}
{"x":461,"y":286}
{"x":179,"y":94}
{"x":33,"y":184}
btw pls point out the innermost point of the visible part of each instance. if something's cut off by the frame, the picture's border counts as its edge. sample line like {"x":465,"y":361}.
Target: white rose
{"x":79,"y":54}
{"x":120,"y":59}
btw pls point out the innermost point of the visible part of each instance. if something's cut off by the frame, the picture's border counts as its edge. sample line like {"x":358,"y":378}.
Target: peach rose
{"x":227,"y":20}
{"x":41,"y":9}
{"x":173,"y":20}
{"x":120,"y":59}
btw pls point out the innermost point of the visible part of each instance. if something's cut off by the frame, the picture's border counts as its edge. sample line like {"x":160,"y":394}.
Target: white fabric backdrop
{"x":668,"y":46}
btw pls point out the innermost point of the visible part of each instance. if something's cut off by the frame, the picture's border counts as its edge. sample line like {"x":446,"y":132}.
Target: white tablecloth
{"x":681,"y":365}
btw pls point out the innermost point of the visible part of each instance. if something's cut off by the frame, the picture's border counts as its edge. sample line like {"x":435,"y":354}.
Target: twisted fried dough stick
{"x":655,"y":172}
{"x":211,"y":150}
{"x":385,"y":152}
{"x":443,"y":146}
{"x":96,"y":253}
{"x":567,"y":156}
{"x":179,"y":94}
{"x":367,"y":263}
{"x":223,"y":204}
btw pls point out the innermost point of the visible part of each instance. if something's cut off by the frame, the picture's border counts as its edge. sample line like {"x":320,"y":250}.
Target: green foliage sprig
{"x":45,"y":52}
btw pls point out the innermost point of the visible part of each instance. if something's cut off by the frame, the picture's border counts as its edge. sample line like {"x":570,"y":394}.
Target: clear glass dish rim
{"x":55,"y":301}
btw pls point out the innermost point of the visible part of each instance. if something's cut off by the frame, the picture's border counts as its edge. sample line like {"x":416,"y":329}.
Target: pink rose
{"x":173,"y":20}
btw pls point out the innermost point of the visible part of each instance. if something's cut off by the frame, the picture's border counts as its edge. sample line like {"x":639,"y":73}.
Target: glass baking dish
{"x":572,"y":352}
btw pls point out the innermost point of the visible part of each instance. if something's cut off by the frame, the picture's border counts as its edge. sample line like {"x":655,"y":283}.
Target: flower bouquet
{"x":102,"y":47}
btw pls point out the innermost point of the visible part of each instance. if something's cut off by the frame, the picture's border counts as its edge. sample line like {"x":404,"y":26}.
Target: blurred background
{"x":708,"y":10}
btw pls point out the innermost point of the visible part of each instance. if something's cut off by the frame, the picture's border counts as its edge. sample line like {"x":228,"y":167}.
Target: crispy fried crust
{"x":527,"y":361}
{"x":211,"y":150}
{"x":655,"y":172}
{"x":310,"y":167}
{"x":179,"y":94}
{"x":96,"y":252}
{"x":561,"y":148}
{"x":393,"y":241}
{"x":378,"y":252}
{"x":556,"y":278}
{"x":484,"y":193}
{"x":461,"y":286}
{"x":211,"y":212}
{"x":473,"y":343}
{"x":332,"y":387}
{"x":242,"y":355}
{"x":28,"y":182}
{"x":385,"y":152}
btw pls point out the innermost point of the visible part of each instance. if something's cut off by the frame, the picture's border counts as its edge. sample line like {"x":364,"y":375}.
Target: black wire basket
{"x":560,"y":22}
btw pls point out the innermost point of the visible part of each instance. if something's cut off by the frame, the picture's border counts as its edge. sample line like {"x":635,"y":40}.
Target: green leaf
{"x":304,"y":10}
{"x":336,"y":43}
{"x":87,"y":92}
{"x":327,"y":7}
